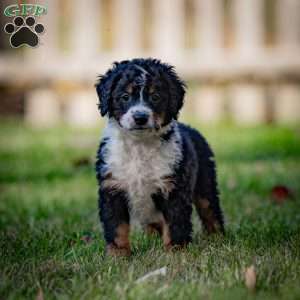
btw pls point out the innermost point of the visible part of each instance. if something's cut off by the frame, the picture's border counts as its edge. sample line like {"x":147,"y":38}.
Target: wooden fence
{"x":236,"y":66}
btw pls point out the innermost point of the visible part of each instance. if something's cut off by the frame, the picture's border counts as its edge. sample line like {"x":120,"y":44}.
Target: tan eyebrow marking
{"x":151,"y":89}
{"x":129,"y":88}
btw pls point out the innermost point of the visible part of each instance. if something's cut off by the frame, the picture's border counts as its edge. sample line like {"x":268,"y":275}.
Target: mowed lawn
{"x":51,"y":245}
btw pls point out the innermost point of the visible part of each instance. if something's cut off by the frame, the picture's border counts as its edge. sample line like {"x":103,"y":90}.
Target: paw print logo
{"x":24,"y":32}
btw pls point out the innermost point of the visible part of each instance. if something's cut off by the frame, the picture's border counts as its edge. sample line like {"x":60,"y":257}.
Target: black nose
{"x":140,"y":118}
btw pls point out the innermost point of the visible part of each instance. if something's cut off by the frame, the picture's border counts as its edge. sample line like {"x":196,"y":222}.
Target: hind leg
{"x":210,"y":215}
{"x":207,"y":199}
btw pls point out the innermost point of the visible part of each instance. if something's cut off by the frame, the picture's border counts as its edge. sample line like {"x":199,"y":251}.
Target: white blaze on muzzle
{"x":128,"y":120}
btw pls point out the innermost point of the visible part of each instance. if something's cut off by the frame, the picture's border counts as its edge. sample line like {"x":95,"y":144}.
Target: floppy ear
{"x":177,"y":92}
{"x":104,"y":88}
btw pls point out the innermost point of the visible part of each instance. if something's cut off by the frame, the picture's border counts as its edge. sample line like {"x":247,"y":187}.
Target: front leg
{"x":114,"y":216}
{"x":178,"y":219}
{"x":176,"y":223}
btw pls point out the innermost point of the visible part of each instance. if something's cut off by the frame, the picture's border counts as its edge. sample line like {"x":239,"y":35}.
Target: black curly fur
{"x":194,"y":177}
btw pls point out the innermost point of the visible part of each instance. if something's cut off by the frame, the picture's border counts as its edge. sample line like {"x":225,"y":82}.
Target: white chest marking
{"x":140,"y":166}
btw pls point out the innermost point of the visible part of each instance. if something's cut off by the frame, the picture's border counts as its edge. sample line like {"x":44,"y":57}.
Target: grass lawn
{"x":51,"y":244}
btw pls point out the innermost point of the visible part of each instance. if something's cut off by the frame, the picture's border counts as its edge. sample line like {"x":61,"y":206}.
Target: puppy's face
{"x":141,"y":95}
{"x":139,"y":100}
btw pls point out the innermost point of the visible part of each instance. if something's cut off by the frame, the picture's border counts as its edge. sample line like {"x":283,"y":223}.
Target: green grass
{"x":48,"y":208}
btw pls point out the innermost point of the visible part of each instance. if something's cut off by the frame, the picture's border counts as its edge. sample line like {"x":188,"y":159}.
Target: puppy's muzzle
{"x":140,"y":118}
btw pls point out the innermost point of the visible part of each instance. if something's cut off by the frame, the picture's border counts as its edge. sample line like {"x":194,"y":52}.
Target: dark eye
{"x":155,"y":98}
{"x":125,"y":97}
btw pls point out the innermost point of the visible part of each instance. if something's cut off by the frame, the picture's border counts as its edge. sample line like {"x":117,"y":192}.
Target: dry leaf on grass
{"x":250,"y":278}
{"x":280,"y":194}
{"x":161,"y":271}
{"x":40,"y":295}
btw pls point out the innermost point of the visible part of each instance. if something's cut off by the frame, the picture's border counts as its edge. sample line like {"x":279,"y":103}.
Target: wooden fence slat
{"x":168,"y":32}
{"x":42,"y":107}
{"x":209,"y":103}
{"x":288,"y":26}
{"x":81,"y":109}
{"x":128,"y":24}
{"x":85,"y":37}
{"x":287,"y":103}
{"x":209,"y":24}
{"x":248,"y":103}
{"x":248,"y":25}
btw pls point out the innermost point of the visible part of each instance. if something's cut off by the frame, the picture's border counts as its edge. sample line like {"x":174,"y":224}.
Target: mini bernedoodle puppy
{"x":150,"y":167}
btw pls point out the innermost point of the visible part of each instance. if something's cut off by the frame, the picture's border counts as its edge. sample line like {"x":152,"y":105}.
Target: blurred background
{"x":240,"y":58}
{"x":241,"y":62}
